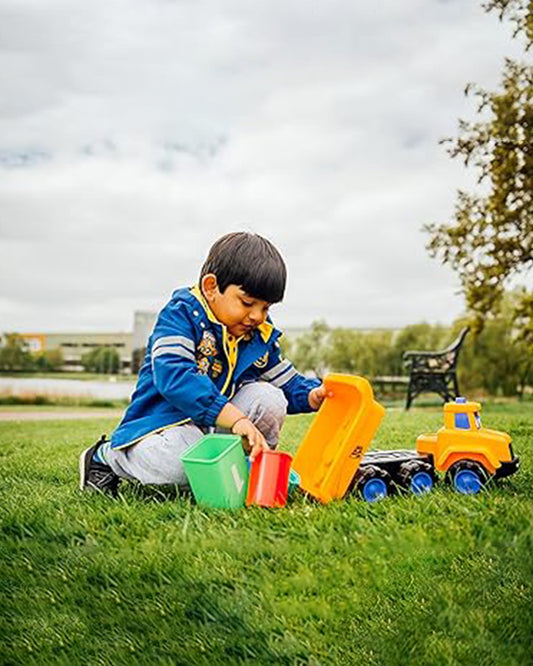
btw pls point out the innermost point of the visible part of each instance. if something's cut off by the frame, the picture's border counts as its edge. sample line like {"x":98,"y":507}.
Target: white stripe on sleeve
{"x":174,"y":340}
{"x":276,"y":370}
{"x":282,"y":379}
{"x":178,"y":351}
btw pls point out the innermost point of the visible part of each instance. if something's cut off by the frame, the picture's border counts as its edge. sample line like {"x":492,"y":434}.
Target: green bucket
{"x":217,"y":471}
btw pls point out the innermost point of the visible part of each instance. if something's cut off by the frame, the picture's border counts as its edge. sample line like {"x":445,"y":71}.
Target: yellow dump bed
{"x":332,"y":449}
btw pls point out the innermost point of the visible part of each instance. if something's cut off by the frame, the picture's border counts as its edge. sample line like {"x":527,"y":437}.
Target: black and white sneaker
{"x":95,"y":475}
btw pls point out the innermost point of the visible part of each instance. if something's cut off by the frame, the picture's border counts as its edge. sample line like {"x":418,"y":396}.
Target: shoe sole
{"x":85,"y":459}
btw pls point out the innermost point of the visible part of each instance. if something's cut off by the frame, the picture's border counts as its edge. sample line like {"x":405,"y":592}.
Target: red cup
{"x":268,"y":484}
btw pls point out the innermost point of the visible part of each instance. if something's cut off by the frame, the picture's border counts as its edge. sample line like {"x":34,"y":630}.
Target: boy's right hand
{"x":246,"y":429}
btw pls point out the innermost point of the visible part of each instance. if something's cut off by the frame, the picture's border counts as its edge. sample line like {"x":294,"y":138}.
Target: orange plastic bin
{"x":268,"y":484}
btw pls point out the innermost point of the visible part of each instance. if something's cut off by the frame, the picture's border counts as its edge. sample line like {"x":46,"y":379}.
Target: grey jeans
{"x":156,"y":458}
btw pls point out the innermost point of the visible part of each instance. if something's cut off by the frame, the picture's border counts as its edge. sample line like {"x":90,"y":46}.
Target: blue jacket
{"x":193,"y":367}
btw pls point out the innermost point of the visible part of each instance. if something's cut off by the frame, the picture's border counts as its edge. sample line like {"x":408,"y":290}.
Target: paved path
{"x":59,"y":415}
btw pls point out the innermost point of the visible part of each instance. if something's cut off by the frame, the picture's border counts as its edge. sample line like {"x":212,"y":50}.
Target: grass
{"x":149,"y":579}
{"x":38,"y":400}
{"x":101,"y":407}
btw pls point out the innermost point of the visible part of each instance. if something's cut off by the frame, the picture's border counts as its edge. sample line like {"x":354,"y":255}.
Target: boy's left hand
{"x":317,"y":395}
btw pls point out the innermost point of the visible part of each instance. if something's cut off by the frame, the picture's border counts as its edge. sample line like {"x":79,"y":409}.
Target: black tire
{"x":373,"y":483}
{"x":413,"y":469}
{"x":467,"y":476}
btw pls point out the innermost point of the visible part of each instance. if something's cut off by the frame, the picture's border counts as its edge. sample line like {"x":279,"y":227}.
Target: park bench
{"x":429,"y":372}
{"x":434,"y":371}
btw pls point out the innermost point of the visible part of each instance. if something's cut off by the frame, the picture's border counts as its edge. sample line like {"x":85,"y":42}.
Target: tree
{"x":14,"y":353}
{"x":308,"y":351}
{"x":359,"y":352}
{"x":105,"y":360}
{"x":490,"y":241}
{"x":495,"y":360}
{"x":49,"y":360}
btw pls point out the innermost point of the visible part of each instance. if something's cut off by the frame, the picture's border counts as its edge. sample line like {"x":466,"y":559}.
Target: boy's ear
{"x":209,"y":286}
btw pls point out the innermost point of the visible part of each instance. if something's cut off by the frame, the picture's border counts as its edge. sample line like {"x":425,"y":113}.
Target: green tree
{"x":496,"y":361}
{"x":308,"y":351}
{"x":490,"y":240}
{"x":49,"y":360}
{"x":104,"y":360}
{"x":14,"y":353}
{"x":362,"y":353}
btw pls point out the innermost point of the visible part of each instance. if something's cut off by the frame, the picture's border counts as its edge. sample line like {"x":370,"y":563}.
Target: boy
{"x":212,"y":360}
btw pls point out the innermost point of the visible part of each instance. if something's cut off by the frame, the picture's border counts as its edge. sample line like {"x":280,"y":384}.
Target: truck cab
{"x":465,"y":451}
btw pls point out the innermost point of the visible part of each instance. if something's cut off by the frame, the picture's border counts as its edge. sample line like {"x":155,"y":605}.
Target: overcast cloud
{"x":134,"y":132}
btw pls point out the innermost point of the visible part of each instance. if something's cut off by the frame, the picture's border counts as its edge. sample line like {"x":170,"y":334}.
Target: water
{"x":78,"y":388}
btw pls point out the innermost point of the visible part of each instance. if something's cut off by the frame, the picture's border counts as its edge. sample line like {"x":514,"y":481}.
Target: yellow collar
{"x":265,"y":329}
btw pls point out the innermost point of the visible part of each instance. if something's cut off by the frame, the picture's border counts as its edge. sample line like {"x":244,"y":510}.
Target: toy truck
{"x":333,"y":459}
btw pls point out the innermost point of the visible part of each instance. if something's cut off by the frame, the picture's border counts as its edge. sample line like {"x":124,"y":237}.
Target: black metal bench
{"x":434,"y":371}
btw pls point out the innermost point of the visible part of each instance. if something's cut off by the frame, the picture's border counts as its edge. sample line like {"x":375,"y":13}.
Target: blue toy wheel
{"x":467,"y":477}
{"x":374,"y":490}
{"x":421,"y":483}
{"x":416,"y":476}
{"x":467,"y":482}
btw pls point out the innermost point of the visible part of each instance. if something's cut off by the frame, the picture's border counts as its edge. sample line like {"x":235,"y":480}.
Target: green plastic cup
{"x":217,"y":471}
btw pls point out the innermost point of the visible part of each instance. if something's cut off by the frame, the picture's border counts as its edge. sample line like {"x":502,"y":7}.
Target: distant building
{"x":74,"y":345}
{"x":130,"y":346}
{"x":143,"y":323}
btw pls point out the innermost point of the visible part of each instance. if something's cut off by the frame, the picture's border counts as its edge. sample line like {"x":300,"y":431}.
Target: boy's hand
{"x":245,"y":428}
{"x":317,"y":395}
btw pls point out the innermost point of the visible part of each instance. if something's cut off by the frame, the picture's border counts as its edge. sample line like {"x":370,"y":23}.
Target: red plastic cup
{"x":268,"y":484}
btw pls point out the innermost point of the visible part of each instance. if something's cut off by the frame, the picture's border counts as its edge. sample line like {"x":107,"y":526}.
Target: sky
{"x":133,"y":133}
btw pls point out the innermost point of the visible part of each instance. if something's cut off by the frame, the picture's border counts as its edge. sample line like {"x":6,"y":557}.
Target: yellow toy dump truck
{"x":333,"y":460}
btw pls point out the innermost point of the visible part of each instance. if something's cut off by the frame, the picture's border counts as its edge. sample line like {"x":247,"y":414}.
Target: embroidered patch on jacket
{"x":262,"y":361}
{"x":216,"y":368}
{"x":208,"y":344}
{"x":203,"y":364}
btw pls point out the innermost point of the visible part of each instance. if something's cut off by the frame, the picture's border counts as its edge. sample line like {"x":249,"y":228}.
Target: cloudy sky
{"x":133,"y":133}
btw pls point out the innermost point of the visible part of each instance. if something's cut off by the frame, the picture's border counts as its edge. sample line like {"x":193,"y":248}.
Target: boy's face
{"x":234,"y":308}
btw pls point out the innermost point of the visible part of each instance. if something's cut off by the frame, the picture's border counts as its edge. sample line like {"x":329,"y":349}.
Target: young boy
{"x":212,"y":360}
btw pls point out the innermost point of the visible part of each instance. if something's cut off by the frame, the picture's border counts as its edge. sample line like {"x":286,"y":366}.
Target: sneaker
{"x":95,"y":475}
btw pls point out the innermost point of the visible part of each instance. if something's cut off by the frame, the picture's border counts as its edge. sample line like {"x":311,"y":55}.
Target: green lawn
{"x":444,"y":579}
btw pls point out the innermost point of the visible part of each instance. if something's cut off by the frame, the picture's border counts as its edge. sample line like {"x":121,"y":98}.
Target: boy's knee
{"x":265,"y":406}
{"x":275,"y":402}
{"x":261,"y":399}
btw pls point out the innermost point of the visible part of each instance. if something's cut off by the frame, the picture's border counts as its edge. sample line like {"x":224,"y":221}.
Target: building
{"x":130,"y":346}
{"x":74,"y":345}
{"x":143,"y":323}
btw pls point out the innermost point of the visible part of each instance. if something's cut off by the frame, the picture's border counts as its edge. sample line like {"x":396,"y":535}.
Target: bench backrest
{"x":444,"y":360}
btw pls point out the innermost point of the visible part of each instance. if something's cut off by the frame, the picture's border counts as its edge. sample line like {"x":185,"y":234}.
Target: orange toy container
{"x":334,"y":445}
{"x":268,"y":484}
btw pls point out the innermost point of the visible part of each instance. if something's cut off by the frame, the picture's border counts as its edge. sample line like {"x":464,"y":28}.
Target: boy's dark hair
{"x":249,"y":261}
